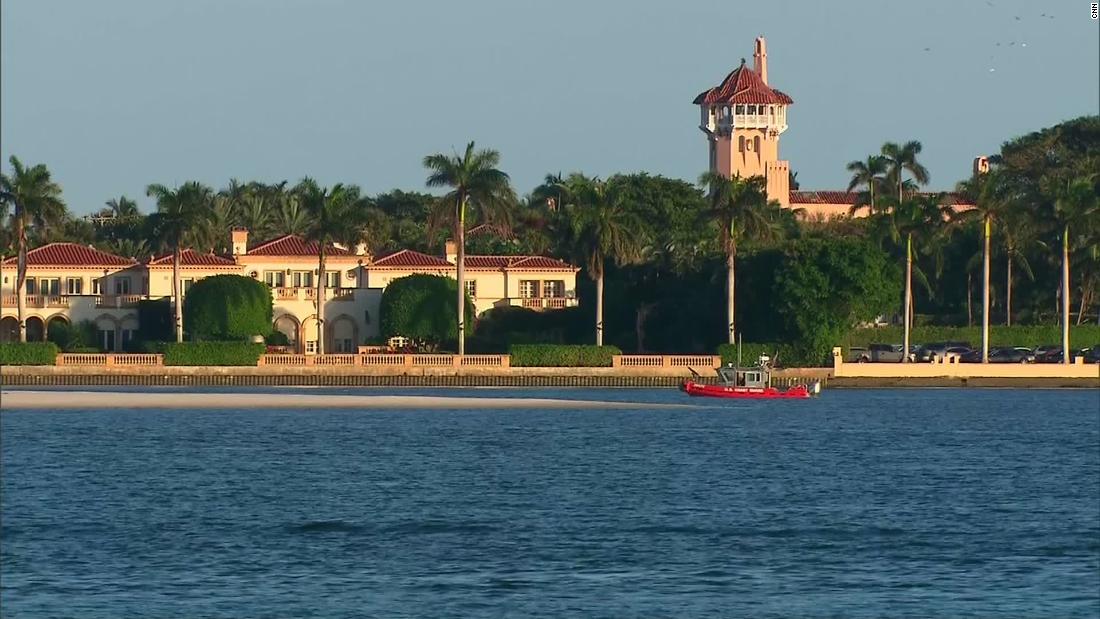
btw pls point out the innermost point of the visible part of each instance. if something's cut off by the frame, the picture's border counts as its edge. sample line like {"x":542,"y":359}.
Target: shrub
{"x":277,"y":338}
{"x":562,"y":355}
{"x":227,"y":307}
{"x":73,"y":338}
{"x":28,"y":353}
{"x":213,"y":353}
{"x":422,"y":307}
{"x":155,"y":320}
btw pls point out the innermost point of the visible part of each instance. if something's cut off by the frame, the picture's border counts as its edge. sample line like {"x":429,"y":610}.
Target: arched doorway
{"x":36,"y":329}
{"x":288,"y":326}
{"x":342,"y":334}
{"x":9,"y":329}
{"x":107,"y":332}
{"x":309,"y":335}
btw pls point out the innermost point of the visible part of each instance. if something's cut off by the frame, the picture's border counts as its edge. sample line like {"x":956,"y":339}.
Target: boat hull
{"x":694,"y":389}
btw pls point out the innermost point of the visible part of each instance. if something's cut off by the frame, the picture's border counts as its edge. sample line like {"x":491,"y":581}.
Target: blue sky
{"x":115,"y":94}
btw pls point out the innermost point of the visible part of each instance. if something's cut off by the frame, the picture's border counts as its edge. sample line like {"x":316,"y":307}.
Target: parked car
{"x":886,"y":353}
{"x":858,"y":354}
{"x":928,"y":352}
{"x":1092,"y":355}
{"x":1048,"y":354}
{"x":1001,"y":355}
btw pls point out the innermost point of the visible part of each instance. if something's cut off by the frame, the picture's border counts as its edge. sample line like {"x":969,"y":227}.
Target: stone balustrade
{"x":387,"y":359}
{"x":71,"y":359}
{"x":666,"y":361}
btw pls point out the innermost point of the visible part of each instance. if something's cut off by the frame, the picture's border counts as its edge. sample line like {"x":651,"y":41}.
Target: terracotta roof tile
{"x":71,"y":254}
{"x":192,"y":258}
{"x":850,"y":197}
{"x":516,"y":262}
{"x":293,"y":245}
{"x":410,"y":258}
{"x":742,"y":85}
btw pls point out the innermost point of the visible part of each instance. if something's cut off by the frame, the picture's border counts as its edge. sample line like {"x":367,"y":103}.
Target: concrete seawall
{"x":915,"y":375}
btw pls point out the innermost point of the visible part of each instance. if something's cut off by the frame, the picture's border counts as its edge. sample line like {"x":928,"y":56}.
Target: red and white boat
{"x":751,"y":383}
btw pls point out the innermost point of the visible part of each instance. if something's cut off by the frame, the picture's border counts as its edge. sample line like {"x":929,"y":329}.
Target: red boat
{"x":746,"y":383}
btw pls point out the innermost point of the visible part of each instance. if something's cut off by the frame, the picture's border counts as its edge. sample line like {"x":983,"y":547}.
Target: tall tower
{"x":742,"y":118}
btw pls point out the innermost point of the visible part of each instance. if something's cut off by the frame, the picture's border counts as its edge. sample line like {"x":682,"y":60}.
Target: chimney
{"x":450,"y":249}
{"x":760,"y":59}
{"x":981,"y":165}
{"x":239,"y":237}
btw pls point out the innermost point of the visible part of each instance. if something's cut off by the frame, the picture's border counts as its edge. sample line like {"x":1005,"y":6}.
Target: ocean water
{"x":903,"y":503}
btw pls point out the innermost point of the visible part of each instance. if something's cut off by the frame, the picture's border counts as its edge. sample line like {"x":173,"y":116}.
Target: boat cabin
{"x":758,"y":376}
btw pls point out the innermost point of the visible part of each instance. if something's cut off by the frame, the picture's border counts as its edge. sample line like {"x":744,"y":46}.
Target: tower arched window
{"x":756,"y":144}
{"x":741,"y":144}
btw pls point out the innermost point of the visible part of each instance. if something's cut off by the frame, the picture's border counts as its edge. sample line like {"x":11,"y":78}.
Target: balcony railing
{"x":37,"y":300}
{"x":118,"y":300}
{"x":542,"y":302}
{"x":395,"y":359}
{"x":309,"y":294}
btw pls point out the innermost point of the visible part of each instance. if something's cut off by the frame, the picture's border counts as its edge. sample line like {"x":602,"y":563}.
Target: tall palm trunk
{"x":908,"y":291}
{"x":969,"y":297}
{"x":1008,"y":293}
{"x":871,"y":190}
{"x":177,"y":298}
{"x":599,"y":308}
{"x":985,"y":291}
{"x":460,"y":272}
{"x":320,"y":300}
{"x":21,"y":280}
{"x":731,"y":289}
{"x":1086,"y":296}
{"x":1066,"y":353}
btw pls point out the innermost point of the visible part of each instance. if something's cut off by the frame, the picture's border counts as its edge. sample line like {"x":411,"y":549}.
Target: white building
{"x":72,"y":283}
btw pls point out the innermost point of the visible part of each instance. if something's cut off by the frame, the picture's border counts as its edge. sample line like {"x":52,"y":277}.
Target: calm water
{"x":859,"y":504}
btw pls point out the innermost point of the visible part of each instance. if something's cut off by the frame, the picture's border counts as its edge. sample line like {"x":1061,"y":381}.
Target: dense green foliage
{"x":227,"y":307}
{"x":73,"y":338}
{"x":154,"y":320}
{"x":422,"y":308}
{"x":824,"y":288}
{"x":561,"y":355}
{"x":28,"y":353}
{"x":501,"y":327}
{"x":212,"y":353}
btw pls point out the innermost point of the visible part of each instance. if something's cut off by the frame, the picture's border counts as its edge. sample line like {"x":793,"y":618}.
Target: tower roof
{"x":742,"y":85}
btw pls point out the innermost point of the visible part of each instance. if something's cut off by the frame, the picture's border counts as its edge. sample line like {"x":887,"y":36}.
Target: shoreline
{"x":70,"y":400}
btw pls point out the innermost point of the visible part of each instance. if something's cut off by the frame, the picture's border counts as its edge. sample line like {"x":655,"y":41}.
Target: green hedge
{"x":213,"y":353}
{"x":227,"y":308}
{"x":1082,"y":336}
{"x":561,"y":355}
{"x":29,"y":353}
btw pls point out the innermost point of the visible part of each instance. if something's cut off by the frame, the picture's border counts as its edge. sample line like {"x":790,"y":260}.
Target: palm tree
{"x":1017,"y":233}
{"x":181,"y":219}
{"x":36,"y":202}
{"x":335,"y":216}
{"x":1076,"y":203}
{"x":920,"y":219}
{"x":870,"y":173}
{"x":990,"y":193}
{"x":476,"y":184}
{"x":123,"y":208}
{"x":601,"y":227}
{"x":901,"y":159}
{"x":742,"y":211}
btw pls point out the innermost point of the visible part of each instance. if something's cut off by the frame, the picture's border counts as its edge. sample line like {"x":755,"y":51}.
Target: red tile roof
{"x":192,"y":258}
{"x":850,"y":197}
{"x":410,"y":258}
{"x":516,"y":262}
{"x":742,"y":85}
{"x":71,"y":255}
{"x":293,"y":245}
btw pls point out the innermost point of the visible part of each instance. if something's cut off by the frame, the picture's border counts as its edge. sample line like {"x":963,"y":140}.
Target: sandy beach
{"x":102,"y":399}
